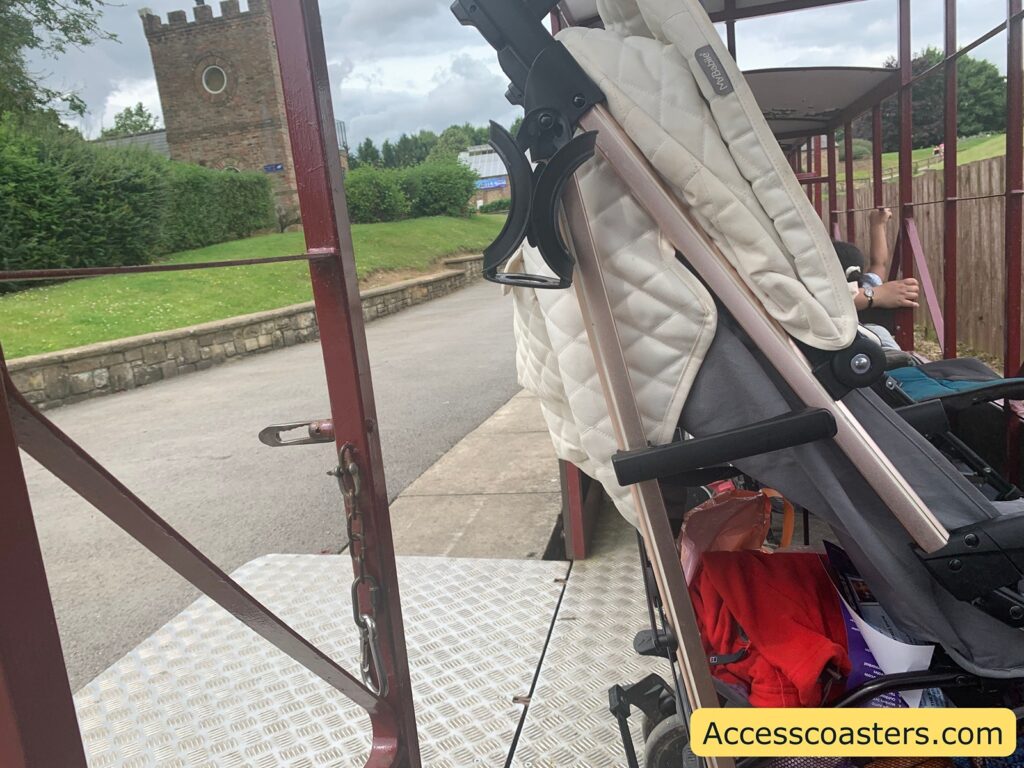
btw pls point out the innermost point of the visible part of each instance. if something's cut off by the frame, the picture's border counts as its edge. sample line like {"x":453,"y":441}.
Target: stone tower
{"x":220,"y":89}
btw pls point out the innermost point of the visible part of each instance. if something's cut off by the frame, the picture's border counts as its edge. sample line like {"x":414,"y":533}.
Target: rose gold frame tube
{"x":672,"y":218}
{"x":652,"y":519}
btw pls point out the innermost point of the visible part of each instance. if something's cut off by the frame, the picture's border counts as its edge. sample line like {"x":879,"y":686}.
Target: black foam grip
{"x":784,"y":431}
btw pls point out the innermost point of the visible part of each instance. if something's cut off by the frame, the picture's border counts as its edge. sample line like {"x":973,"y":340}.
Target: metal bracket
{"x":555,"y":93}
{"x":983,"y":564}
{"x":858,"y":366}
{"x":321,"y":431}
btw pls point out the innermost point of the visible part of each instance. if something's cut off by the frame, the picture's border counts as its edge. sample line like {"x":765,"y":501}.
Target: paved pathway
{"x":188,"y":447}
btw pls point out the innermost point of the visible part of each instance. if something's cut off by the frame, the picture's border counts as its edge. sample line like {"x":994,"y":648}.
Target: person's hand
{"x":880,"y":216}
{"x":897,"y":294}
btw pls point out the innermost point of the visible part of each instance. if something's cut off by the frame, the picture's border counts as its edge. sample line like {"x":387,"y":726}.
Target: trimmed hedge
{"x":207,"y":207}
{"x":439,"y":189}
{"x":429,"y":189}
{"x":375,"y":194}
{"x":496,"y":206}
{"x":69,"y":203}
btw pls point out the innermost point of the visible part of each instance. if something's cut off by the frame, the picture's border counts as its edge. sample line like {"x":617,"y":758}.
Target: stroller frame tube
{"x":707,"y":260}
{"x":652,"y":518}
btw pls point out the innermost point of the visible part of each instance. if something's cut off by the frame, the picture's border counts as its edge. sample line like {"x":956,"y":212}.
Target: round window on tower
{"x":215,"y":80}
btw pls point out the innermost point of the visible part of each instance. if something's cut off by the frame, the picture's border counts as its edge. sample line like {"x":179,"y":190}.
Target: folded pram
{"x":706,"y":298}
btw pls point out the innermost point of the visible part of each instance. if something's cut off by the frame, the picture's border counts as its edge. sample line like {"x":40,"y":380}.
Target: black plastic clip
{"x":555,"y":93}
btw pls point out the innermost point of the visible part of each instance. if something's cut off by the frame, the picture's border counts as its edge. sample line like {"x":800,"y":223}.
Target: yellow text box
{"x":754,"y":732}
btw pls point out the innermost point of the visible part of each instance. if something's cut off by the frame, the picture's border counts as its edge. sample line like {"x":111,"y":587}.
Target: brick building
{"x":220,"y":90}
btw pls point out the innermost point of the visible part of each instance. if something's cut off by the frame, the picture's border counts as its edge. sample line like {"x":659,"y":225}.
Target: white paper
{"x":892,"y":655}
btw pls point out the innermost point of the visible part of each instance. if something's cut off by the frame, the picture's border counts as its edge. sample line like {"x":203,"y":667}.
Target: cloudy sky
{"x":404,"y":65}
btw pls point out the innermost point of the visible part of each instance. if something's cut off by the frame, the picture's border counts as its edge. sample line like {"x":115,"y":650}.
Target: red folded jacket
{"x":779,"y":617}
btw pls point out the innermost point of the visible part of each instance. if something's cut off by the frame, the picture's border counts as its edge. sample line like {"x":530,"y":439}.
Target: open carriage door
{"x":38,"y":726}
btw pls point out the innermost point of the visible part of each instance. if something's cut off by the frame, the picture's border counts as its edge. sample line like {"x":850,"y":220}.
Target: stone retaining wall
{"x":71,"y":375}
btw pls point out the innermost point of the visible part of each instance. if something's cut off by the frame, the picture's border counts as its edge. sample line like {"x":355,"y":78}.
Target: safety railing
{"x":909,"y":258}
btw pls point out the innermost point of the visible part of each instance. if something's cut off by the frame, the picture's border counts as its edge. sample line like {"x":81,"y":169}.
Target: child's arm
{"x":880,"y":254}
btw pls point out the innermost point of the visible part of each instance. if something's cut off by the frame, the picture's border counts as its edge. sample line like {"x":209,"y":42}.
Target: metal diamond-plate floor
{"x":591,"y":649}
{"x":205,"y":692}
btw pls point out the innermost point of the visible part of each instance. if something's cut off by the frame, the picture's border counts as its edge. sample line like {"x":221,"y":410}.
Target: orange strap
{"x":788,"y":517}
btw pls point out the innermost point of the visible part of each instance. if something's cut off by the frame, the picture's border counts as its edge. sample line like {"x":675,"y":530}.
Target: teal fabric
{"x":920,"y":386}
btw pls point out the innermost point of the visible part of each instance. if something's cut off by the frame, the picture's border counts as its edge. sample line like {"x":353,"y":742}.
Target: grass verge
{"x":969,"y":150}
{"x":78,"y":312}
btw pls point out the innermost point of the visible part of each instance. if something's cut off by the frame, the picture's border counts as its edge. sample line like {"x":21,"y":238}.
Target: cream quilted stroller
{"x":677,"y":275}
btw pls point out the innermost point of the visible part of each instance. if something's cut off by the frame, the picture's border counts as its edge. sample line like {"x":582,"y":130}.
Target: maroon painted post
{"x":851,"y":189}
{"x":905,"y":317}
{"x":38,"y":725}
{"x":951,"y":187}
{"x":913,"y":240}
{"x":1014,"y":220}
{"x":1014,"y":186}
{"x":730,"y":27}
{"x":325,"y":220}
{"x":816,"y":169}
{"x":833,"y":186}
{"x":877,"y":184}
{"x":580,"y":503}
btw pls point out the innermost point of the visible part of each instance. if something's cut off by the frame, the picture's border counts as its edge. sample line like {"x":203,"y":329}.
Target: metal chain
{"x":370,"y":666}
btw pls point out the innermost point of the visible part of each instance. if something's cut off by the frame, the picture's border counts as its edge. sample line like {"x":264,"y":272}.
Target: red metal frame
{"x":851,"y":185}
{"x":816,"y":158}
{"x":904,"y":331}
{"x":38,"y":725}
{"x":318,"y":172}
{"x":1014,"y":186}
{"x":950,"y":187}
{"x":833,"y":187}
{"x":877,"y":184}
{"x":1014,"y":220}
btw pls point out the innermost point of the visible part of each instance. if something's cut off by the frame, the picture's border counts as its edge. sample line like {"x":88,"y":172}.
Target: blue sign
{"x":495,"y":182}
{"x":273,"y":168}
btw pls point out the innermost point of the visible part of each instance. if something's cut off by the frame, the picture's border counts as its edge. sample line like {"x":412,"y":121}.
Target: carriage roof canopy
{"x":803,"y":102}
{"x":585,"y":11}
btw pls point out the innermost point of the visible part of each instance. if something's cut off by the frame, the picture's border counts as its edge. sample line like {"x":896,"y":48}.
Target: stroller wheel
{"x":668,"y":745}
{"x":648,"y":724}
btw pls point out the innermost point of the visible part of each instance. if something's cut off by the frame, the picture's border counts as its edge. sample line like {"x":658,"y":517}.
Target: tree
{"x":388,"y":156}
{"x":367,"y":154}
{"x":981,"y":102}
{"x":516,"y":125}
{"x":981,"y":97}
{"x":46,"y":28}
{"x":130,"y":121}
{"x":413,"y":150}
{"x":455,"y":139}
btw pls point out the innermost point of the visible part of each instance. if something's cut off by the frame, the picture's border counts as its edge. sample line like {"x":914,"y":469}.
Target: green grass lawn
{"x":969,"y":150}
{"x":80,"y":312}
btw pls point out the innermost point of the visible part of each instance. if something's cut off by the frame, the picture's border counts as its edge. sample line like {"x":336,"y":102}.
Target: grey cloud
{"x":359,"y":33}
{"x":869,"y":26}
{"x":400,"y":27}
{"x":467,"y":91}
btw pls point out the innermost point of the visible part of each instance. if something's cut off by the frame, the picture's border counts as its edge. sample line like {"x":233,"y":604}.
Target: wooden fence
{"x":981,"y":268}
